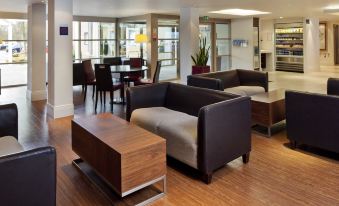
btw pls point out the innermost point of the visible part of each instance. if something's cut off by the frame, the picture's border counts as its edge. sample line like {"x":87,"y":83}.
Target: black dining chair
{"x":104,"y":83}
{"x":89,"y":76}
{"x":134,"y":76}
{"x":113,"y":61}
{"x":79,"y":75}
{"x":150,"y":81}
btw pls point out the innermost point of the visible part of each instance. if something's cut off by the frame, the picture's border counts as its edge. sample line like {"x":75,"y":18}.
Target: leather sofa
{"x":313,"y":119}
{"x":204,"y":129}
{"x":27,"y":177}
{"x":238,"y":81}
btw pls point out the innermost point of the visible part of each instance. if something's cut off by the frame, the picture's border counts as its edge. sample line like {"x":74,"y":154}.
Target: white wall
{"x":267,"y":42}
{"x":242,"y":58}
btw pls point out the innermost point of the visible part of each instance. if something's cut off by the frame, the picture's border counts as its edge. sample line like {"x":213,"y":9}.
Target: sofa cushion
{"x":179,"y":130}
{"x":9,"y":145}
{"x":245,"y":90}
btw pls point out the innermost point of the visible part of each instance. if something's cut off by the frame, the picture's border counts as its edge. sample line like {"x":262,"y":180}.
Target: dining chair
{"x":79,"y":75}
{"x":150,"y":81}
{"x":104,"y":83}
{"x":89,"y":76}
{"x":113,"y":61}
{"x":134,"y":76}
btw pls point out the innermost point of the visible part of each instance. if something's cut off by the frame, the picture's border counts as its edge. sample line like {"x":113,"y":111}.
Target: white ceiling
{"x":122,"y":8}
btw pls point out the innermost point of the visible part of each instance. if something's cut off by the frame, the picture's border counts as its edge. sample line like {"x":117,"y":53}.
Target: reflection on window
{"x":127,"y":45}
{"x":205,"y":32}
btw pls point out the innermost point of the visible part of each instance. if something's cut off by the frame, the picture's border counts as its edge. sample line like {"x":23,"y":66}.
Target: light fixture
{"x":281,"y":17}
{"x":141,"y":38}
{"x":240,"y":12}
{"x":334,"y":9}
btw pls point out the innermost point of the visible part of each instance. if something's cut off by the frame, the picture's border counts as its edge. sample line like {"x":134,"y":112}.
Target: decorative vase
{"x":200,"y":69}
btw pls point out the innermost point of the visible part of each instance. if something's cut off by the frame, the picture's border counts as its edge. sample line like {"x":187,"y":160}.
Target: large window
{"x":93,"y":40}
{"x":206,"y":32}
{"x":13,"y":51}
{"x":168,"y":49}
{"x":127,"y":45}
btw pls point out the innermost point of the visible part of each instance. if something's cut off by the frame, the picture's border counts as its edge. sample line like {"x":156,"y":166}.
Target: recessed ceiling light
{"x":240,"y":12}
{"x":281,"y":17}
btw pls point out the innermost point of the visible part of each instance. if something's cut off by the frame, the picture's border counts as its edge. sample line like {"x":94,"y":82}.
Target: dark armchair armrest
{"x":253,"y":78}
{"x":145,"y":96}
{"x":333,"y":86}
{"x":224,"y":133}
{"x":205,"y":82}
{"x":9,"y":120}
{"x":29,"y":178}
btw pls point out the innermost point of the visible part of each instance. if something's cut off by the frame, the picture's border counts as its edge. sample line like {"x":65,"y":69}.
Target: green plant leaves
{"x":201,"y":58}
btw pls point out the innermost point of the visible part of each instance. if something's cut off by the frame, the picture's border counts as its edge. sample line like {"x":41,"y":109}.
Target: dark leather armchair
{"x":228,"y":79}
{"x":223,"y":124}
{"x":26,"y":177}
{"x":313,"y":119}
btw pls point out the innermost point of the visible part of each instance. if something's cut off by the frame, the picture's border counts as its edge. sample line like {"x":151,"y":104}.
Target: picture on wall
{"x":323,"y":36}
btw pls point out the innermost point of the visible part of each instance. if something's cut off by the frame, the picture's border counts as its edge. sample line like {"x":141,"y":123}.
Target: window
{"x":223,"y":49}
{"x":127,"y":45}
{"x":13,"y":51}
{"x":93,"y":40}
{"x":168,"y":49}
{"x":206,"y":32}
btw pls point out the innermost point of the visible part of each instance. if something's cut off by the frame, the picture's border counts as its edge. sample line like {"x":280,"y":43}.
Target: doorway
{"x":336,"y":44}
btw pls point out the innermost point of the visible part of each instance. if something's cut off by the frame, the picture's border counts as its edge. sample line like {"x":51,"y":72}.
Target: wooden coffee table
{"x":268,"y":109}
{"x":125,"y":156}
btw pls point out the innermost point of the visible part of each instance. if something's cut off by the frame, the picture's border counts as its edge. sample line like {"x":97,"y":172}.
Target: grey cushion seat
{"x":178,"y":128}
{"x":245,"y":90}
{"x":9,"y":145}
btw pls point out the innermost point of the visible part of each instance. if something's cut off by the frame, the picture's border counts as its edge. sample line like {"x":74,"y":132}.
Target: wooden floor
{"x":275,"y":175}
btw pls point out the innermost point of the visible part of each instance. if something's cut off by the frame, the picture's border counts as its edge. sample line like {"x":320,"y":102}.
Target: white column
{"x":311,"y":45}
{"x":60,"y":75}
{"x":189,"y":40}
{"x":36,"y":79}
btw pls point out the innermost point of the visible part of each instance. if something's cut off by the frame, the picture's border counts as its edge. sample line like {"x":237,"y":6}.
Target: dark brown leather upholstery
{"x":313,"y":119}
{"x":26,"y":178}
{"x":78,"y":74}
{"x":113,"y":61}
{"x":9,"y":120}
{"x":333,"y":86}
{"x":224,"y":120}
{"x":227,"y":79}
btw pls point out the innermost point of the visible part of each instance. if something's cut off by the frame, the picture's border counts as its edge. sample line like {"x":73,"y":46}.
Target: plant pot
{"x":200,"y":69}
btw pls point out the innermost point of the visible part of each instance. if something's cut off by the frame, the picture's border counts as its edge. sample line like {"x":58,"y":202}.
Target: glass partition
{"x":127,"y":45}
{"x":168,"y":49}
{"x":223,"y":47}
{"x":13,"y":51}
{"x":93,"y":40}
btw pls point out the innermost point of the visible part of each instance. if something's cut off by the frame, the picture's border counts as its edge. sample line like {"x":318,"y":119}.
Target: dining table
{"x":124,"y":70}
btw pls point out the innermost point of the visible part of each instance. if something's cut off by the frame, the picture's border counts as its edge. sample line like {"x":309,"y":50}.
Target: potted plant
{"x":201,"y":58}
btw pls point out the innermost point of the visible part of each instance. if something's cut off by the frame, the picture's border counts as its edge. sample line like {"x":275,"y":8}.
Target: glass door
{"x":168,"y":49}
{"x":223,"y":49}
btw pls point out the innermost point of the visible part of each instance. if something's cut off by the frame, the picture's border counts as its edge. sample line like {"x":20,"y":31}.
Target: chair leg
{"x":111,"y":94}
{"x":100,"y":97}
{"x":293,"y":144}
{"x":93,"y":91}
{"x":85,"y":92}
{"x":104,"y":97}
{"x":207,"y":178}
{"x":122,"y":95}
{"x":246,"y":158}
{"x":96,"y":100}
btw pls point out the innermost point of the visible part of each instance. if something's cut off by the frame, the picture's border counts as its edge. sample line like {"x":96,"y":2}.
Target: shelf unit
{"x":289,"y":47}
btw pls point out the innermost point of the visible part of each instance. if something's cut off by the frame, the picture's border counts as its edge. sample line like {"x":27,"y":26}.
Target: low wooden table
{"x":127,"y":157}
{"x":268,"y":108}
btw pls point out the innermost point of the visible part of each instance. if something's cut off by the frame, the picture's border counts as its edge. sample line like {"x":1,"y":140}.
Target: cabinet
{"x":289,"y":46}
